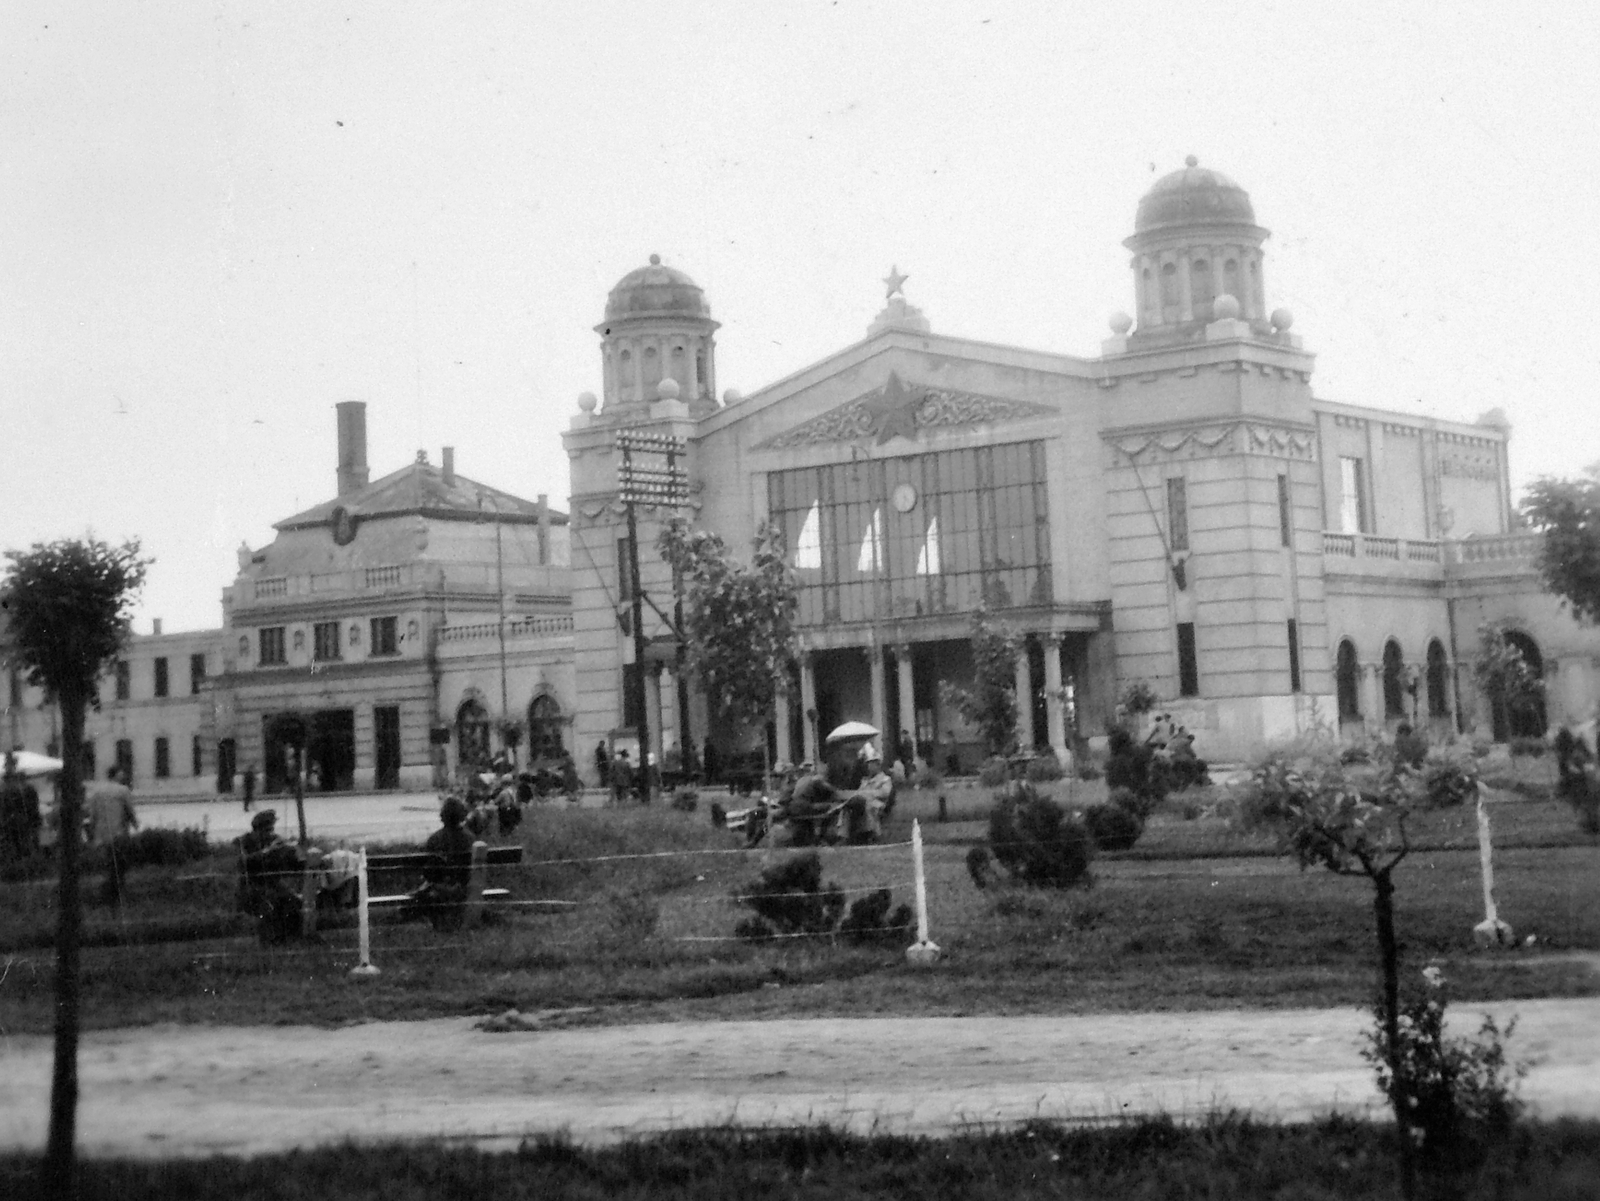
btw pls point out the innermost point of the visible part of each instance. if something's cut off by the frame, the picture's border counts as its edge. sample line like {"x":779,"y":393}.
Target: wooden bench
{"x":478,"y":891}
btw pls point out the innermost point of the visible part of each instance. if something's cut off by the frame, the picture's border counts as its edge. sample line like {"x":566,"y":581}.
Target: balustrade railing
{"x":525,"y":627}
{"x":1492,"y":549}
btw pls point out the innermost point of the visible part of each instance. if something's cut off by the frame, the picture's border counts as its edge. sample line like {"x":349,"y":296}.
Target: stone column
{"x":1055,"y":711}
{"x":692,"y":392}
{"x":1024,"y":687}
{"x":652,"y":698}
{"x":1185,"y":288}
{"x":908,"y":696}
{"x":637,"y":355}
{"x":880,"y":694}
{"x":808,"y":703}
{"x":781,"y":720}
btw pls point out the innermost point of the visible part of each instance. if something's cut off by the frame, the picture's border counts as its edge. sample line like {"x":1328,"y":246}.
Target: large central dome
{"x":656,"y":291}
{"x":1195,"y":195}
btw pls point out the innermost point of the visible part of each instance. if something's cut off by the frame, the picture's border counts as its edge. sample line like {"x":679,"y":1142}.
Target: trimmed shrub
{"x":790,"y":897}
{"x":685,"y":798}
{"x":1448,"y":785}
{"x":980,"y":866}
{"x":1133,"y":765}
{"x":160,"y":848}
{"x":926,"y":777}
{"x":994,"y":772}
{"x":1113,"y":827}
{"x":1141,"y":807}
{"x":1041,"y":769}
{"x":1036,"y":842}
{"x":869,"y":919}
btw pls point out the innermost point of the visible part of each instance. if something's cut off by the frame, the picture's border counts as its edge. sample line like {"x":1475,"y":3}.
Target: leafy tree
{"x":739,"y":619}
{"x":68,"y":607}
{"x":991,"y":702}
{"x":1351,"y":819}
{"x":1504,"y":677}
{"x":1567,"y":512}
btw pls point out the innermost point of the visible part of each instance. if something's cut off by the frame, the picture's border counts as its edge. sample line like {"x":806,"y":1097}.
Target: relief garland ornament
{"x":901,"y":410}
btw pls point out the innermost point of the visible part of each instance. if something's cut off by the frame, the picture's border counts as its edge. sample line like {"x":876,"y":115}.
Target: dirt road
{"x":196,"y":1090}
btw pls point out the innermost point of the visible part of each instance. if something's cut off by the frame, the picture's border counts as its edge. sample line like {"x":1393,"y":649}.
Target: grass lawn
{"x":1196,"y":916}
{"x":1228,"y":1158}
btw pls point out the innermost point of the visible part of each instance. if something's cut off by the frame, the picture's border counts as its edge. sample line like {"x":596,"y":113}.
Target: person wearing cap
{"x":621,"y":777}
{"x":269,"y":887}
{"x":873,"y":800}
{"x":449,"y":869}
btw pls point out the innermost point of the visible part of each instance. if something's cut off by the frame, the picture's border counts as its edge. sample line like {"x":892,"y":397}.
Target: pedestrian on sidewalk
{"x":249,"y":785}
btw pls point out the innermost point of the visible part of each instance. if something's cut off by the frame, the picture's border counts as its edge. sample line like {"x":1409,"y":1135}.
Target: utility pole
{"x":500,"y":599}
{"x":666,"y":486}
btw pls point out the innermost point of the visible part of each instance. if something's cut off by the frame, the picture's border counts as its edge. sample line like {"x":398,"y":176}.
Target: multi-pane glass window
{"x":124,"y":679}
{"x":325,"y":641}
{"x":922,"y":534}
{"x":272,"y":645}
{"x":197,"y":672}
{"x":163,"y":758}
{"x":385,"y":636}
{"x":161,"y":677}
{"x":1352,"y":496}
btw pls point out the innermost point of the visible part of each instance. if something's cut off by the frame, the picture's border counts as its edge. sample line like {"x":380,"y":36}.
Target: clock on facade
{"x":905,"y":498}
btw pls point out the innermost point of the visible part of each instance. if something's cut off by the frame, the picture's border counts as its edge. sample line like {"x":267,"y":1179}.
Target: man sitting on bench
{"x":444,"y":891}
{"x":270,"y":879}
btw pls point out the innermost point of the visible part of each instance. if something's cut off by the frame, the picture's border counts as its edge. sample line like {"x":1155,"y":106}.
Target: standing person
{"x":621,"y":777}
{"x":602,"y":764}
{"x":249,"y":785}
{"x":907,"y":753}
{"x":109,"y":806}
{"x":19,"y":815}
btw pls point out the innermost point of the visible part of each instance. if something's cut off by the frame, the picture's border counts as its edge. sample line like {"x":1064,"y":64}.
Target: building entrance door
{"x":331,"y":751}
{"x":386,"y":746}
{"x":226,"y":764}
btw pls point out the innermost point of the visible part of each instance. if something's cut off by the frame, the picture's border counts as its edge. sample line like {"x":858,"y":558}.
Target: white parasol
{"x":31,"y":763}
{"x":851,"y":731}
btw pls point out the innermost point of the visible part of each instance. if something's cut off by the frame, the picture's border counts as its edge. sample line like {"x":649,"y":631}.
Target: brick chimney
{"x":155,"y":625}
{"x":352,"y":446}
{"x":448,"y":473}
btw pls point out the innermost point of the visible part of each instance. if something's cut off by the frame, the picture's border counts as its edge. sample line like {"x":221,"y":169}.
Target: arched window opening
{"x":472,"y":734}
{"x":1394,"y":685}
{"x":544,"y":729}
{"x":1438,"y":681}
{"x":1524,"y":718}
{"x":1169,"y":284}
{"x":1347,"y":675}
{"x":1201,"y":288}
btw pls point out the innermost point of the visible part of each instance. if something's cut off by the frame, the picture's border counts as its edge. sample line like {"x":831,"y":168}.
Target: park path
{"x":199,"y":1090}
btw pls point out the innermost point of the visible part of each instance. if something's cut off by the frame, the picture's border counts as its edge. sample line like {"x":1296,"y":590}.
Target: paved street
{"x":199,"y":1090}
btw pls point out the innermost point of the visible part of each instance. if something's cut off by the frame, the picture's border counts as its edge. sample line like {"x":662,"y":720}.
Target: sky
{"x":218,"y":220}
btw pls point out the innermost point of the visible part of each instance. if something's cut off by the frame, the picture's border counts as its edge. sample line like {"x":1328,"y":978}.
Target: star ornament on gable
{"x":895,"y":281}
{"x":894,"y":411}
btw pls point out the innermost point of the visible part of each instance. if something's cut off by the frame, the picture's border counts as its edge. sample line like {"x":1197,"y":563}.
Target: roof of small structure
{"x":1194,"y":195}
{"x":419,"y":488}
{"x":656,"y":290}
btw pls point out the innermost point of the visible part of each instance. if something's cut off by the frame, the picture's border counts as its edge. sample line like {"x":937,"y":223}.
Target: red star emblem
{"x":894,"y":411}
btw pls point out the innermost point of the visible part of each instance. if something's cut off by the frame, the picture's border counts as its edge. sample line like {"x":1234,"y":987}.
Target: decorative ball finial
{"x":667,"y":389}
{"x":1191,"y":161}
{"x":1282,"y":319}
{"x":655,"y":260}
{"x":732,"y":396}
{"x":1225,"y":307}
{"x":1120,"y":323}
{"x":587,"y":401}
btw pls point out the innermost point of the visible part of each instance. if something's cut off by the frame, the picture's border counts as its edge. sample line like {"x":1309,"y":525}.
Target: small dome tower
{"x":1195,"y":239}
{"x":658,"y":327}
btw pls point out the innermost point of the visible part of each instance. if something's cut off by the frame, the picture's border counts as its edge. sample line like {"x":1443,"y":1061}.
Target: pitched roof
{"x":419,"y":488}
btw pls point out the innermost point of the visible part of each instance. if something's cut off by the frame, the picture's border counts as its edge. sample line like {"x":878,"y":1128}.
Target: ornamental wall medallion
{"x":899,"y":409}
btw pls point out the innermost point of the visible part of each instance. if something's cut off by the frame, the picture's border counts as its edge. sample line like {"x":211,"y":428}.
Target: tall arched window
{"x":1169,"y":284}
{"x":1438,"y":680}
{"x":1527,"y":718}
{"x":1347,"y":676}
{"x":472,"y":734}
{"x":1394,"y":685}
{"x":544,"y":729}
{"x":1202,"y":290}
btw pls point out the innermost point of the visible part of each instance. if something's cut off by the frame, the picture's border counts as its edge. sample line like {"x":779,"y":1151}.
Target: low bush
{"x":870,"y":919}
{"x":1042,"y":769}
{"x":160,"y":848}
{"x":685,"y":798}
{"x":925,"y":777}
{"x":1139,"y":806}
{"x":1531,"y":748}
{"x":789,"y":898}
{"x":1134,"y":766}
{"x":1112,"y":827}
{"x":980,"y":866}
{"x":1036,"y":842}
{"x":1448,"y":784}
{"x":994,"y":772}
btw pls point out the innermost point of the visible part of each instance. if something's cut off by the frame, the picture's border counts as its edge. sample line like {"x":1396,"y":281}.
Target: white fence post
{"x":365,"y":967}
{"x":1491,"y":931}
{"x":924,"y":952}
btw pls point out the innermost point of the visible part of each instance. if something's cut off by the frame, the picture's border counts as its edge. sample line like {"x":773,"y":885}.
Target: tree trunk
{"x":300,"y":794}
{"x":1389,"y":953}
{"x":58,"y":1160}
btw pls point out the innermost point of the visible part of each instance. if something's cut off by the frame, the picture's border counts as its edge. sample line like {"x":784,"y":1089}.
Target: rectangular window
{"x":163,"y":759}
{"x":195,"y":757}
{"x":272,"y":653}
{"x":1188,"y":664}
{"x":125,"y":760}
{"x":197,"y":673}
{"x":1294,"y":653}
{"x":1177,"y":513}
{"x":161,"y":676}
{"x":325,"y":641}
{"x":1352,"y":496}
{"x":385,"y":636}
{"x":1285,"y":513}
{"x":124,"y":679}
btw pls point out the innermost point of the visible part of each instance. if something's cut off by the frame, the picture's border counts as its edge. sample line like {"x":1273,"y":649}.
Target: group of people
{"x":848,"y":801}
{"x":28,"y":827}
{"x":1173,"y":746}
